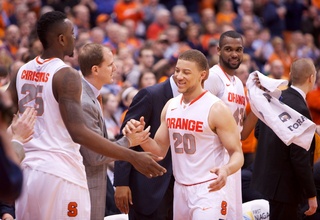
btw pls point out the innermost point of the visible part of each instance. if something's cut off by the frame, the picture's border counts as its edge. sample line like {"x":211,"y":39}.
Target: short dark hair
{"x":232,"y":34}
{"x":195,"y":56}
{"x":46,"y":23}
{"x":89,"y":55}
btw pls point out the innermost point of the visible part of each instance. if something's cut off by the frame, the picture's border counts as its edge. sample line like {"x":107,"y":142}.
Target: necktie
{"x":99,"y":98}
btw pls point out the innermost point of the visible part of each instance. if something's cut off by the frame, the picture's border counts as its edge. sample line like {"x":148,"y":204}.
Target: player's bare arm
{"x":67,"y":90}
{"x":223,"y":124}
{"x":248,"y":125}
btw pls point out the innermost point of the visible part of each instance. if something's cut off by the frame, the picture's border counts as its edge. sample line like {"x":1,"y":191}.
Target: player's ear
{"x":204,"y":75}
{"x":61,"y":39}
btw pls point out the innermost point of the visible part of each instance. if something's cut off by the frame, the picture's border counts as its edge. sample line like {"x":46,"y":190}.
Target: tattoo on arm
{"x":69,"y":98}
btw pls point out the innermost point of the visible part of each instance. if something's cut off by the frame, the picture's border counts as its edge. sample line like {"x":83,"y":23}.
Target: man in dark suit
{"x":283,"y":174}
{"x":97,"y":67}
{"x":148,"y":198}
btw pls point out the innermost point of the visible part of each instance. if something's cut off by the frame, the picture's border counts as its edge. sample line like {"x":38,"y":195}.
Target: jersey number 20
{"x":188,"y":143}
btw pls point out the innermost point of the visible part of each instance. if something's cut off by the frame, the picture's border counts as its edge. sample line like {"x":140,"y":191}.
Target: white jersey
{"x":195,"y":148}
{"x":229,"y":90}
{"x":51,"y":150}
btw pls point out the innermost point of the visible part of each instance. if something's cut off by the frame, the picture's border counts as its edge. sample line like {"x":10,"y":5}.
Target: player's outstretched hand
{"x":221,"y":180}
{"x":22,"y":128}
{"x":145,"y":163}
{"x":122,"y":198}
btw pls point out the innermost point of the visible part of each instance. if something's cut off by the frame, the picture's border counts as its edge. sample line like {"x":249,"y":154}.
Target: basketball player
{"x":55,"y":185}
{"x":201,"y":130}
{"x":223,"y":83}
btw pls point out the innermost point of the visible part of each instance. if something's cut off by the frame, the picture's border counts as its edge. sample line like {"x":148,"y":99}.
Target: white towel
{"x":289,"y":125}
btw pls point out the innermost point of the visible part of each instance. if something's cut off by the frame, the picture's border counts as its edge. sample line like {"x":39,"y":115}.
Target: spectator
{"x":274,"y":17}
{"x":180,"y":19}
{"x":4,"y":21}
{"x":145,"y":59}
{"x":97,"y":35}
{"x":127,"y":96}
{"x":159,"y":25}
{"x":4,"y":78}
{"x":128,"y":9}
{"x":246,"y":8}
{"x":311,"y":23}
{"x":150,"y":10}
{"x":81,"y":18}
{"x":193,"y":37}
{"x":310,"y":49}
{"x":172,"y":36}
{"x":147,"y":78}
{"x":112,"y":34}
{"x":207,"y":14}
{"x":111,"y":114}
{"x":280,"y":53}
{"x":133,"y":41}
{"x":11,"y":45}
{"x":262,"y":47}
{"x":225,"y":13}
{"x":293,"y":17}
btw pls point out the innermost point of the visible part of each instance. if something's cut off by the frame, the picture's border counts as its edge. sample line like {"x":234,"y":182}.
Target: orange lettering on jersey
{"x":35,"y":76}
{"x":185,"y":124}
{"x":239,"y":99}
{"x":72,"y":209}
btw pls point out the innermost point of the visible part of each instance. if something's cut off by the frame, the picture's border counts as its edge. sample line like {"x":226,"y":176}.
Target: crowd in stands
{"x":146,"y":37}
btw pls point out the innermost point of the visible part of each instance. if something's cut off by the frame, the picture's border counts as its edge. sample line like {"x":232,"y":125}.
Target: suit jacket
{"x":284,"y":173}
{"x":11,"y":177}
{"x":95,"y":164}
{"x":146,"y":193}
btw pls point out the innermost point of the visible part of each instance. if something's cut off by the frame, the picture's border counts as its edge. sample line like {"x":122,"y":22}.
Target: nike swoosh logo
{"x":173,"y":109}
{"x":206,"y":208}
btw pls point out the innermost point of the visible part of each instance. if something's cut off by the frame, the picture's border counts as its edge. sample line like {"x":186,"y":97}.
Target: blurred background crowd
{"x":147,"y":35}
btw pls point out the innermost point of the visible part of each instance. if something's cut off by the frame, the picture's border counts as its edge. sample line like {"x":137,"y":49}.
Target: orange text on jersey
{"x":239,"y":99}
{"x":185,"y":124}
{"x":35,"y":76}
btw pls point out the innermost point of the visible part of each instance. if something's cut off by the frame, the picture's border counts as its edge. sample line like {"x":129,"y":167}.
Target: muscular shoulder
{"x":214,"y":83}
{"x":67,"y":81}
{"x":219,"y":108}
{"x":219,"y":113}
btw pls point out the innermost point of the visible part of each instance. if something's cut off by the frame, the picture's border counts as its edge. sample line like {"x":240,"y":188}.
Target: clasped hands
{"x":135,"y":133}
